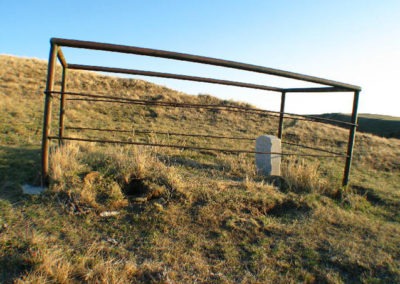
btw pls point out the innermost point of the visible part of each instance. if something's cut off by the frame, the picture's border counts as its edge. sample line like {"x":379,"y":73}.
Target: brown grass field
{"x":188,"y":216}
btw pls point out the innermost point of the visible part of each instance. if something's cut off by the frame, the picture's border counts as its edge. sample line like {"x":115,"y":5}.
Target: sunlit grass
{"x":129,"y":214}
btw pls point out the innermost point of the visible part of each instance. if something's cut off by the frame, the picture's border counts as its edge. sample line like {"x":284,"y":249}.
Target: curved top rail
{"x":198,"y":59}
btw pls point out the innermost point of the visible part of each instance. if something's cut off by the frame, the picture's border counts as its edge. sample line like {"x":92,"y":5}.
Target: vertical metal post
{"x":62,"y":106}
{"x":352,"y":135}
{"x":280,"y":130}
{"x":47,"y":113}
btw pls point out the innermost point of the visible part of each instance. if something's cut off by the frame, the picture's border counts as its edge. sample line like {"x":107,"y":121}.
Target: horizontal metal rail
{"x":199,"y":59}
{"x":173,"y":76}
{"x":111,"y":99}
{"x":212,"y":107}
{"x":204,"y":79}
{"x":269,"y":113}
{"x":314,"y":148}
{"x":197,"y":135}
{"x":178,"y":105}
{"x":215,"y":107}
{"x":183,"y":147}
{"x":315,"y":90}
{"x":161,"y":133}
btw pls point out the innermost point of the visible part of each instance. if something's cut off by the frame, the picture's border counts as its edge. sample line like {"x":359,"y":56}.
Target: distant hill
{"x":380,"y":125}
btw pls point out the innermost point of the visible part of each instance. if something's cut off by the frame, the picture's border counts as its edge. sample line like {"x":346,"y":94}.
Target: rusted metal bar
{"x":164,"y":103}
{"x":47,"y":113}
{"x":206,"y":106}
{"x":178,"y":105}
{"x":281,"y":116}
{"x":161,"y":133}
{"x":215,"y":107}
{"x":314,"y":148}
{"x":172,"y":76}
{"x":199,"y":59}
{"x":210,"y":107}
{"x":352,"y":135}
{"x":188,"y":147}
{"x":61,"y":57}
{"x":196,"y":135}
{"x":62,"y":105}
{"x":316,"y":90}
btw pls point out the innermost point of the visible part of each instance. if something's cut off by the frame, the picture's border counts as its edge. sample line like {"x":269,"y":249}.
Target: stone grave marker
{"x":268,"y":164}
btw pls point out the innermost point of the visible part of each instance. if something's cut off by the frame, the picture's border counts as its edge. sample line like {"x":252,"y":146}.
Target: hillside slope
{"x":380,"y":125}
{"x":185,"y":216}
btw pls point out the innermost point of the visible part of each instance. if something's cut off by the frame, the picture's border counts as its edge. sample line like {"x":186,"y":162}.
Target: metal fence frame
{"x":56,"y":52}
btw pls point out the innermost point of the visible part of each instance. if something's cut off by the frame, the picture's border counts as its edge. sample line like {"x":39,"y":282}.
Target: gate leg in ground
{"x":268,"y":156}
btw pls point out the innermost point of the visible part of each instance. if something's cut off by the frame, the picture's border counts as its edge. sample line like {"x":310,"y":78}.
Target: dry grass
{"x":185,"y":216}
{"x":64,"y":163}
{"x":301,"y":176}
{"x":52,"y":265}
{"x":93,"y":177}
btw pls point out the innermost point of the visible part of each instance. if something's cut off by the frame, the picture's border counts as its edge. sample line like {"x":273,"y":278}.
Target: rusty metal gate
{"x":56,"y":52}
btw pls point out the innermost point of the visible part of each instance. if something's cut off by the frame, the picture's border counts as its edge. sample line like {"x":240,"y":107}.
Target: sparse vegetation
{"x":121,"y":214}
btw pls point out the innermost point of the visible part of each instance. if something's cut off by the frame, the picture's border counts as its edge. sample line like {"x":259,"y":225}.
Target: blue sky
{"x":352,"y":41}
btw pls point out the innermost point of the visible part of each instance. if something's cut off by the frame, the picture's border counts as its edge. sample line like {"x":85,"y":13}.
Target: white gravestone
{"x":268,"y":164}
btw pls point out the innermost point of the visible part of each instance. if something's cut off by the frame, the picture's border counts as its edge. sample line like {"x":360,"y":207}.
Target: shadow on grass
{"x":14,"y":265}
{"x":18,"y":165}
{"x":187,"y":162}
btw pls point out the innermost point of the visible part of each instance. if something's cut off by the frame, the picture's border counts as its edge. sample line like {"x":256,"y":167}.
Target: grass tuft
{"x":304,"y":177}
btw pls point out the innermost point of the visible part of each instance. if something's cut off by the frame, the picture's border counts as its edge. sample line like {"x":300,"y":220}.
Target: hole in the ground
{"x":136,"y":187}
{"x":290,"y":209}
{"x":142,"y":189}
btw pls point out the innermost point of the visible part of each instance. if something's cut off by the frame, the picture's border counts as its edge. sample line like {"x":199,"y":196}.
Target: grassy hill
{"x":380,"y":125}
{"x":120,"y":214}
